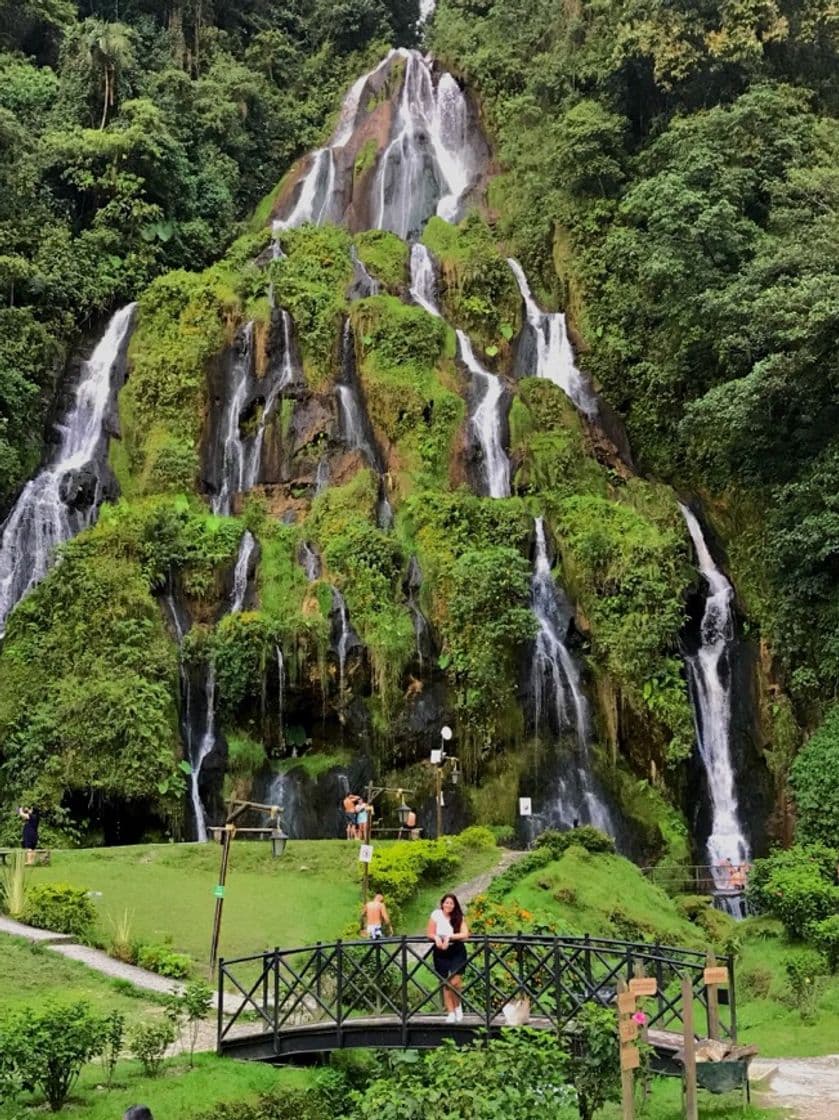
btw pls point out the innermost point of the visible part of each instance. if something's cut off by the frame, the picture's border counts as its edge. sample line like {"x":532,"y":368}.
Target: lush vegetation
{"x":668,"y":176}
{"x":134,"y":139}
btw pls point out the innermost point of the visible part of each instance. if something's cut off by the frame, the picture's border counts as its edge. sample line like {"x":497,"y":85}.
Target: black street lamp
{"x":278,"y":842}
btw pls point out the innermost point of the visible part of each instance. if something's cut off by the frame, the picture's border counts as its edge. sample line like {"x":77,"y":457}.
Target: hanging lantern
{"x":403,"y":812}
{"x":455,"y":773}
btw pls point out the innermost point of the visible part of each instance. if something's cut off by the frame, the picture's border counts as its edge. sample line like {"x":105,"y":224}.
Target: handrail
{"x":391,"y":981}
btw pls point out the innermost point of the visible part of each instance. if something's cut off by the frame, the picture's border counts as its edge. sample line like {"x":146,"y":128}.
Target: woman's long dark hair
{"x":456,"y":916}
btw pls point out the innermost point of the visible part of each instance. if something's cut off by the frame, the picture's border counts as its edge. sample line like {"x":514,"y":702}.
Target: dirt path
{"x":467,"y":891}
{"x":805,"y":1088}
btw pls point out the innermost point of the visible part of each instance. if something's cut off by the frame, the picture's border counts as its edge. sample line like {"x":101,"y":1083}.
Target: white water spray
{"x":486,"y":421}
{"x":554,"y":353}
{"x":709,"y":675}
{"x":44,"y":515}
{"x":423,"y":288}
{"x":240,"y":572}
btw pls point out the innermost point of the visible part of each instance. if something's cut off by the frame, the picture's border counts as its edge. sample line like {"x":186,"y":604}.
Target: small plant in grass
{"x":149,"y":1042}
{"x":186,"y":1011}
{"x":805,"y":973}
{"x":164,"y":961}
{"x":113,"y":1036}
{"x":594,"y":1061}
{"x":47,"y":1048}
{"x":825,"y":936}
{"x":122,"y":945}
{"x":15,"y":886}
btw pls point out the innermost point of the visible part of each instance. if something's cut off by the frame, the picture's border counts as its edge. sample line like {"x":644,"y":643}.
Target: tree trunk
{"x":105,"y":100}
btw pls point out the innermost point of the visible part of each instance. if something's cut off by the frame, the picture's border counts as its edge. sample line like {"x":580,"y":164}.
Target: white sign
{"x":436,"y":758}
{"x":525,"y":808}
{"x":365,"y":853}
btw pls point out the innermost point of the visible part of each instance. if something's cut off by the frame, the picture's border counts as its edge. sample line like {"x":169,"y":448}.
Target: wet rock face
{"x":390,"y":163}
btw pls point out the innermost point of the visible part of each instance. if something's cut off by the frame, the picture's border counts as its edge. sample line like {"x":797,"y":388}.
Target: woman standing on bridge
{"x":448,"y":930}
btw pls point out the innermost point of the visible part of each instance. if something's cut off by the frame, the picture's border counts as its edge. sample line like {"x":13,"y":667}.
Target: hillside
{"x":509,"y":407}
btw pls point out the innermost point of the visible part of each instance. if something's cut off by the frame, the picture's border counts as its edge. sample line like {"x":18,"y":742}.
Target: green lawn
{"x":177,"y":1094}
{"x":312,"y":893}
{"x":664,"y":1103}
{"x":607,"y":896}
{"x":32,"y":973}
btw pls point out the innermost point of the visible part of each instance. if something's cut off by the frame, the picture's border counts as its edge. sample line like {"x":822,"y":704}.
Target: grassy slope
{"x":605,"y":895}
{"x":33,"y":973}
{"x":177,"y":1094}
{"x":311,"y":894}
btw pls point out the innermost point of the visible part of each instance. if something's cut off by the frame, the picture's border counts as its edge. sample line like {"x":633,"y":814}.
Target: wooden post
{"x":628,"y":1052}
{"x":691,"y":1106}
{"x":714,"y":1030}
{"x":439,"y":800}
{"x":227,"y":837}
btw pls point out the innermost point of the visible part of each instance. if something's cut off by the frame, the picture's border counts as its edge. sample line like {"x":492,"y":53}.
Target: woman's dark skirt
{"x":451,"y":961}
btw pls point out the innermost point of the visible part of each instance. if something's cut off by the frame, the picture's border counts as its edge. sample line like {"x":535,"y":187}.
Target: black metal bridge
{"x":288,"y":1003}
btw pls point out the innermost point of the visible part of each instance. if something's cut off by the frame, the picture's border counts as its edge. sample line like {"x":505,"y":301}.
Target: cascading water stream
{"x":428,"y":166}
{"x":344,"y":638}
{"x":310,"y":561}
{"x":555,"y":678}
{"x":233,"y":447}
{"x":709,"y":677}
{"x":280,"y":692}
{"x":554,"y":353}
{"x":423,"y":288}
{"x":240,"y":572}
{"x":49,"y":510}
{"x":198,"y":753}
{"x":363,"y":284}
{"x":486,"y":421}
{"x":559,"y":701}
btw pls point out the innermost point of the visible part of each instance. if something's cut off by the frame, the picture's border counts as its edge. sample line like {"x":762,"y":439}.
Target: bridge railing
{"x":336,"y":983}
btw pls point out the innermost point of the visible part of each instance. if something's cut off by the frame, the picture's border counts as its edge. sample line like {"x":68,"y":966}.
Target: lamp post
{"x":446,"y":735}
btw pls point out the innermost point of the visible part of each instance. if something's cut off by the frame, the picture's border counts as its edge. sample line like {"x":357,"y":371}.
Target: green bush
{"x":279,"y":1104}
{"x":824,"y":935}
{"x":701,"y":910}
{"x":397,"y":872}
{"x":588,"y":837}
{"x":163,"y":960}
{"x":504,"y":883}
{"x":477,"y":837}
{"x":45,"y":1048}
{"x":796,"y":886}
{"x":149,"y":1042}
{"x":815,"y":783}
{"x":805,"y":972}
{"x":755,"y":983}
{"x":60,"y":907}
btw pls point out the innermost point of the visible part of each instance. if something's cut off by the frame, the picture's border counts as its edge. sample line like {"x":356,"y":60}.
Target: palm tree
{"x":111,"y":47}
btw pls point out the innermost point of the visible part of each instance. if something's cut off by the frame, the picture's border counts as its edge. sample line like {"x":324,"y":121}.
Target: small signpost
{"x":630,"y":1056}
{"x":525,"y":807}
{"x":365,"y":855}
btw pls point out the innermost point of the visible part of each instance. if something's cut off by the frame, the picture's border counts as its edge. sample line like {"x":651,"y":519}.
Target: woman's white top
{"x":442,"y":924}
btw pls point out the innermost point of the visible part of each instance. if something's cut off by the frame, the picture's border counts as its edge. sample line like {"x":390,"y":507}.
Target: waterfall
{"x":422,"y":631}
{"x":709,"y":678}
{"x":233,"y":447}
{"x":241,"y":454}
{"x":322,"y":476}
{"x":554,"y":353}
{"x":280,"y":690}
{"x":428,"y":166}
{"x":284,"y":792}
{"x":344,"y":638}
{"x":64,"y":497}
{"x":559,"y":701}
{"x":423,"y":289}
{"x":240,"y":572}
{"x":315,"y":201}
{"x":363,"y":284}
{"x":554,"y":676}
{"x":310,"y":562}
{"x":198,"y":754}
{"x":353,"y":421}
{"x":486,"y":422}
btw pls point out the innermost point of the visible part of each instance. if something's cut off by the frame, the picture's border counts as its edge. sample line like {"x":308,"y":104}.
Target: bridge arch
{"x":287,"y":1003}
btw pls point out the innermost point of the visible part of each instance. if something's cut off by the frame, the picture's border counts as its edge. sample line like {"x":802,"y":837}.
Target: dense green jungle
{"x":347,"y":393}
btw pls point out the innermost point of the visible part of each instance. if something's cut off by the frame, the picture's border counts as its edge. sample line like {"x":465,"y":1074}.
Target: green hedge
{"x":60,"y":907}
